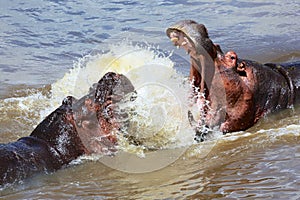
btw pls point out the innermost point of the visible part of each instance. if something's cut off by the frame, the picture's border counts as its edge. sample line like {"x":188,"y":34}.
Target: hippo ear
{"x":69,"y":101}
{"x":241,"y":69}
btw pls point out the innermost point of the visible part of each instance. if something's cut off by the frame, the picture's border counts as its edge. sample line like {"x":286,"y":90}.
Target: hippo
{"x":251,"y":89}
{"x":76,"y":128}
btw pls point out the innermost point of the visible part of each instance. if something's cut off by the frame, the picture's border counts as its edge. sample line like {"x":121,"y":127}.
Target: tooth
{"x":177,"y":46}
{"x":184,"y":43}
{"x":174,"y":39}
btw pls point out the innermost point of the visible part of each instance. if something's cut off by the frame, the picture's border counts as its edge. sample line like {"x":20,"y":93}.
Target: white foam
{"x":160,"y":109}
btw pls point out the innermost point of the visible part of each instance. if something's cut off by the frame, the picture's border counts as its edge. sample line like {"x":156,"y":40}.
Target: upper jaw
{"x":179,"y":39}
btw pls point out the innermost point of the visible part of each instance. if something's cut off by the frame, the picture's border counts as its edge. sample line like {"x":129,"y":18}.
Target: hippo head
{"x":98,"y":117}
{"x":193,"y":37}
{"x":210,"y":70}
{"x":88,"y":125}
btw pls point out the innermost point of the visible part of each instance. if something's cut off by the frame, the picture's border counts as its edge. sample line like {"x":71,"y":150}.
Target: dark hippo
{"x":77,"y":127}
{"x":252,"y":90}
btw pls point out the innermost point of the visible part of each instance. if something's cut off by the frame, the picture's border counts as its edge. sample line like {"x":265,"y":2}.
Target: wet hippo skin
{"x":68,"y":132}
{"x":251,"y":89}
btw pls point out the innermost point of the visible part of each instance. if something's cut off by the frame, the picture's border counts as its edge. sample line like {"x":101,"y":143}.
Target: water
{"x":50,"y":49}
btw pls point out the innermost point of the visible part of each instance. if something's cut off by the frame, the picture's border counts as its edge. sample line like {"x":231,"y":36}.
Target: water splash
{"x":20,"y":114}
{"x":158,"y":112}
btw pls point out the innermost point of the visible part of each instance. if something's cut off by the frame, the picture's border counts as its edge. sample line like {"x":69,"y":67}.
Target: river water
{"x":51,"y":49}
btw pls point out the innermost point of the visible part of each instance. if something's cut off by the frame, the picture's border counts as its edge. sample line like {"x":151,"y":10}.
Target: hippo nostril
{"x":232,"y":57}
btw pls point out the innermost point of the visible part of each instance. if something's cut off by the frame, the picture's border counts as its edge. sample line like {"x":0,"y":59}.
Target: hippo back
{"x":23,"y":158}
{"x":269,"y":85}
{"x":293,"y":70}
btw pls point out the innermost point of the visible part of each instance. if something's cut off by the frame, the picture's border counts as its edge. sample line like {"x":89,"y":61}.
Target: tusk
{"x":184,"y":43}
{"x":174,"y":39}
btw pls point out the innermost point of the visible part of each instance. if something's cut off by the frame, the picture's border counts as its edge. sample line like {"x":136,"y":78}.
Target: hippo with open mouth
{"x":77,"y":127}
{"x":239,"y":91}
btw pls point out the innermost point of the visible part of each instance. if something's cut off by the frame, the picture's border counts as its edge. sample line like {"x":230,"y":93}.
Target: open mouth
{"x":98,"y":116}
{"x":179,"y":39}
{"x":198,"y":65}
